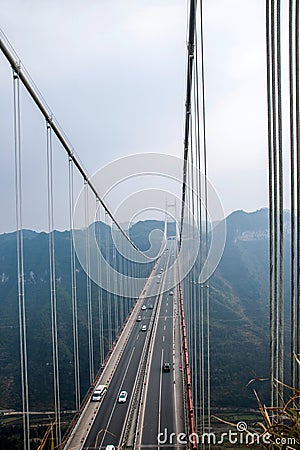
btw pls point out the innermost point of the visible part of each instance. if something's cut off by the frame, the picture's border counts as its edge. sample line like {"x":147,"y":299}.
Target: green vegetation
{"x":239,"y":304}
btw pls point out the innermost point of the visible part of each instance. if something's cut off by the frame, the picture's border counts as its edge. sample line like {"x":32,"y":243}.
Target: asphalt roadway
{"x":159,"y":411}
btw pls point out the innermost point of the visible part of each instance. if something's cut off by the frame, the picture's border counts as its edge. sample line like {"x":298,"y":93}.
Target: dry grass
{"x":278,"y":427}
{"x":282,"y":423}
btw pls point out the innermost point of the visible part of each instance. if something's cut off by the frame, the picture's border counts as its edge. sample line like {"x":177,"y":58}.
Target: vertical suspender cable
{"x":280,"y":204}
{"x":271,"y":199}
{"x":297,"y":94}
{"x":53,"y":303}
{"x":206,"y":218}
{"x":273,"y":36}
{"x":122,"y":269}
{"x":275,"y":192}
{"x":74,"y":289}
{"x":20,"y":261}
{"x":115,"y":297}
{"x":192,"y":285}
{"x":108,"y":280}
{"x":293,"y":200}
{"x":200,"y":290}
{"x":88,"y":284}
{"x":100,"y":298}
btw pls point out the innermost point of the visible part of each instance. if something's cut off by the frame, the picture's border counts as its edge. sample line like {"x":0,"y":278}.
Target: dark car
{"x":166,"y":367}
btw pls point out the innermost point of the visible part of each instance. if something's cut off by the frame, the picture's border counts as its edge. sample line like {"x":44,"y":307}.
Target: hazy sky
{"x":113,"y":73}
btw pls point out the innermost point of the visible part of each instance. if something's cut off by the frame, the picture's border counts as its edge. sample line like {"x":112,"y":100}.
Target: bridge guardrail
{"x":189,"y":398}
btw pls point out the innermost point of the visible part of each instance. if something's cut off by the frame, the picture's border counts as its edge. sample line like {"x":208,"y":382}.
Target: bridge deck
{"x":155,"y":402}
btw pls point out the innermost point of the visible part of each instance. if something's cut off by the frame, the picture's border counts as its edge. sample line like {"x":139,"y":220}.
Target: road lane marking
{"x":160,"y":389}
{"x":145,"y":399}
{"x":163,"y":338}
{"x":113,"y":410}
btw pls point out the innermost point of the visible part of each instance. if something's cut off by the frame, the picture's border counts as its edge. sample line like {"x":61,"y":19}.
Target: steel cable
{"x":20,"y":261}
{"x":206,"y":291}
{"x":297,"y":122}
{"x":52,"y":275}
{"x":293,"y":199}
{"x":100,"y":292}
{"x":189,"y":77}
{"x":271,"y":199}
{"x":38,"y":99}
{"x":280,"y":202}
{"x":88,"y":284}
{"x":74,"y":290}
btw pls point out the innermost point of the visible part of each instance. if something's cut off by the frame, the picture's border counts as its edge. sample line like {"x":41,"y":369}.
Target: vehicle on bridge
{"x":144,"y":328}
{"x":99,"y":392}
{"x":166,"y":367}
{"x":122,"y":397}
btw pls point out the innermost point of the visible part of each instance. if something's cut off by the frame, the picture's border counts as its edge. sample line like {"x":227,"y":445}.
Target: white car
{"x":122,"y":397}
{"x":144,"y":307}
{"x":171,"y":293}
{"x":144,"y":328}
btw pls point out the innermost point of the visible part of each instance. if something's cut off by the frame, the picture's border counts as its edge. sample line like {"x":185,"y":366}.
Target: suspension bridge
{"x":148,"y":362}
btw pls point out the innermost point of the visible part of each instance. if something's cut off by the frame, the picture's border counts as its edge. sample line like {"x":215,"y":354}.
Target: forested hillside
{"x":238,"y":303}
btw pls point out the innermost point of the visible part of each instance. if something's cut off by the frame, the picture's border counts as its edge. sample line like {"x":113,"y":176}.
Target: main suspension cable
{"x":38,"y":99}
{"x":189,"y":79}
